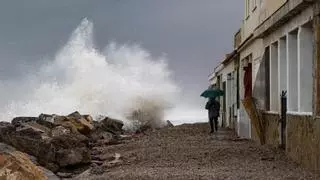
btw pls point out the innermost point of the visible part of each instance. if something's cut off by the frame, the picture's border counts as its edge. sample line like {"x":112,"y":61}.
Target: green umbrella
{"x":212,"y":93}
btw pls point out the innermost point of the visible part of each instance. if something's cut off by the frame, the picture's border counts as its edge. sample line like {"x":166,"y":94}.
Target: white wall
{"x":293,"y":40}
{"x":244,"y":125}
{"x":229,"y":68}
{"x":291,"y":25}
{"x":226,"y":70}
{"x":256,"y":50}
{"x":284,"y":66}
{"x":250,"y":22}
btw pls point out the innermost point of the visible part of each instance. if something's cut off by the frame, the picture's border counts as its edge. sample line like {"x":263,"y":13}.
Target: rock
{"x":54,"y":144}
{"x":4,"y":148}
{"x":88,"y":118}
{"x":169,"y":124}
{"x":50,"y":175}
{"x":74,"y":122}
{"x":31,"y":125}
{"x":111,"y":125}
{"x":75,"y":115}
{"x":71,"y":150}
{"x":25,"y":140}
{"x":64,"y":175}
{"x":31,"y":142}
{"x":17,"y":165}
{"x":59,"y":131}
{"x":125,"y":137}
{"x":97,"y":170}
{"x":19,"y":121}
{"x":99,"y":134}
{"x":5,"y":129}
{"x":86,"y":175}
{"x":143,"y":129}
{"x":114,"y":162}
{"x":97,"y":162}
{"x":46,"y":120}
{"x":71,"y":157}
{"x":267,"y":158}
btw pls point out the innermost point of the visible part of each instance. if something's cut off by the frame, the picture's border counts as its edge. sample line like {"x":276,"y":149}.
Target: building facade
{"x":278,"y":67}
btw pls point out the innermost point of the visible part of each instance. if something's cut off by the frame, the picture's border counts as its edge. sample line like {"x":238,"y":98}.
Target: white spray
{"x":116,"y":82}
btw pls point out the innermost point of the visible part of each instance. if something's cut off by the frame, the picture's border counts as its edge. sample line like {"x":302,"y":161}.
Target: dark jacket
{"x":213,"y":108}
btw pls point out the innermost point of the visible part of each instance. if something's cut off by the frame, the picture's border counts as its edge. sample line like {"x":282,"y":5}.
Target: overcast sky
{"x":194,"y":34}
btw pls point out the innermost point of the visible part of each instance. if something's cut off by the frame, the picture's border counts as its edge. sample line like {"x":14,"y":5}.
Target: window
{"x":292,"y":69}
{"x":273,"y":68}
{"x":247,"y":8}
{"x":254,"y":5}
{"x":261,"y":3}
{"x":299,"y":69}
{"x":247,"y":78}
{"x":305,"y":64}
{"x":267,"y":78}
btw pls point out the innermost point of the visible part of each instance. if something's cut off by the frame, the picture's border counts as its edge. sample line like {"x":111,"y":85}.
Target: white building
{"x":224,"y":77}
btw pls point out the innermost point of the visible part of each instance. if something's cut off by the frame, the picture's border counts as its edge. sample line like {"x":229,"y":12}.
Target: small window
{"x":247,"y":8}
{"x":254,"y":5}
{"x":261,"y":3}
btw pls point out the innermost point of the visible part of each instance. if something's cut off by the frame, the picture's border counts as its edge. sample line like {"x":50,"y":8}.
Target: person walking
{"x":213,"y":107}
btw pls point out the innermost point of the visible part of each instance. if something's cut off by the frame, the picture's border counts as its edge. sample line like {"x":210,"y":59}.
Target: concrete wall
{"x":230,"y":91}
{"x":291,"y":25}
{"x":268,"y":7}
{"x":237,"y":39}
{"x":255,"y":49}
{"x":303,"y":140}
{"x":226,"y":70}
{"x":258,"y":14}
{"x":250,"y":22}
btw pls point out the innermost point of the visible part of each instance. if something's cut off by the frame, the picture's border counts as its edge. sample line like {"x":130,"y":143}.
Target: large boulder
{"x":56,"y":141}
{"x":71,"y":149}
{"x":15,"y":165}
{"x":169,"y":124}
{"x":74,"y":121}
{"x":20,"y":121}
{"x":110,"y":125}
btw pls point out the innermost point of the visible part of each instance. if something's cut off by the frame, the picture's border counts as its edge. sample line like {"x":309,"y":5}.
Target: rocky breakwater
{"x":61,"y":144}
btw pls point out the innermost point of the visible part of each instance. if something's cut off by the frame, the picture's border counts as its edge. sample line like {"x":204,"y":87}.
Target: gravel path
{"x":189,"y":152}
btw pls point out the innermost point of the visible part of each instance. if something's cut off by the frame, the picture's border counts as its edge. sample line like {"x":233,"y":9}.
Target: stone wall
{"x":272,"y":135}
{"x":303,"y":140}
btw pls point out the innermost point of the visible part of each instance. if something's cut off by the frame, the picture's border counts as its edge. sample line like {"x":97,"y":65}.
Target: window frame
{"x":247,"y":10}
{"x":254,"y":5}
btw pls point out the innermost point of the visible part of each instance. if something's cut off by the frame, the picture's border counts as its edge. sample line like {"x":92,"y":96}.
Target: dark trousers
{"x":215,"y":120}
